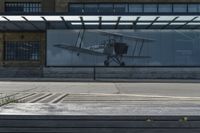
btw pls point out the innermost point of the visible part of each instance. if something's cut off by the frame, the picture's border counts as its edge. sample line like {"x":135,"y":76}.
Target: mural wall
{"x":1,"y":49}
{"x":123,"y":48}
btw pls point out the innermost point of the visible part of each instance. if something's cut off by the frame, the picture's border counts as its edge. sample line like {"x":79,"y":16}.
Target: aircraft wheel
{"x":122,"y":64}
{"x":106,"y":63}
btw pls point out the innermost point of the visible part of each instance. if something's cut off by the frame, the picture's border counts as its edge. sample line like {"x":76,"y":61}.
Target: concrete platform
{"x":105,"y":109}
{"x":99,"y":118}
{"x":81,"y":107}
{"x":172,"y":89}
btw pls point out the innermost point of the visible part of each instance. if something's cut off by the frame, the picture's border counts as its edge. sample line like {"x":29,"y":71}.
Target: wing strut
{"x":82,"y":37}
{"x":141,"y":48}
{"x":78,"y":38}
{"x":134,"y":50}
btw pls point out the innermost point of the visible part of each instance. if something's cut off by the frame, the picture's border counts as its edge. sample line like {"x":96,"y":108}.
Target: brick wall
{"x":47,"y":5}
{"x":23,"y":36}
{"x":131,"y":0}
{"x":62,"y":5}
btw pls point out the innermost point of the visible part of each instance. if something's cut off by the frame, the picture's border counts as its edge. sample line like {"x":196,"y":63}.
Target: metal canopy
{"x":43,"y":22}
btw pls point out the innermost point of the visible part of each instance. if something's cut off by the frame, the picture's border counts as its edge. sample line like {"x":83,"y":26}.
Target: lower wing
{"x":79,"y":50}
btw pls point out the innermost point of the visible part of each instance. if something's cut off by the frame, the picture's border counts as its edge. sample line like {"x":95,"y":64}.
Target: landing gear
{"x":116,"y":59}
{"x":122,"y":64}
{"x":106,"y":63}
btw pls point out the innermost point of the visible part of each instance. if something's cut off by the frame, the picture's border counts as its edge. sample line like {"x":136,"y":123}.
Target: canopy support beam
{"x":66,"y":24}
{"x":37,"y":28}
{"x":118,"y":20}
{"x":187,"y":23}
{"x":169,"y":23}
{"x":135,"y":23}
{"x":82,"y":22}
{"x":100,"y":22}
{"x":149,"y":26}
{"x":15,"y":24}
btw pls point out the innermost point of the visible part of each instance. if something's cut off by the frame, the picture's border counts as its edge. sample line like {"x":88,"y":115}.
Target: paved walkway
{"x":183,"y":90}
{"x":172,"y":94}
{"x":101,"y":98}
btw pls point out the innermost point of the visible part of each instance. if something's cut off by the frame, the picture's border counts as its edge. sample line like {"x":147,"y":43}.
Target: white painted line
{"x":50,"y":98}
{"x":40,"y":98}
{"x":59,"y":99}
{"x":138,"y":95}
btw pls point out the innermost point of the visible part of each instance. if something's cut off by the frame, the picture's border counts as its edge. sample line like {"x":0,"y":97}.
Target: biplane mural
{"x":119,"y":48}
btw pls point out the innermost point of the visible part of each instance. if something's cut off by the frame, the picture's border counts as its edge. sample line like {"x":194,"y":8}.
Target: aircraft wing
{"x":79,"y":50}
{"x":127,"y":36}
{"x":91,"y":52}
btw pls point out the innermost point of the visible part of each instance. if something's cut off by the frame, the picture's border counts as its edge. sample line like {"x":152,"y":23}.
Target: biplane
{"x":114,"y":48}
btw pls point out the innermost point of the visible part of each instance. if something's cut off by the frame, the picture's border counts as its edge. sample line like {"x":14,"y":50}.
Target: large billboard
{"x":123,"y":48}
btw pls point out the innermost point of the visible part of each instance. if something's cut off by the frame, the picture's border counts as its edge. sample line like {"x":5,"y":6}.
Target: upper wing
{"x":77,"y":49}
{"x":87,"y":51}
{"x":126,"y":36}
